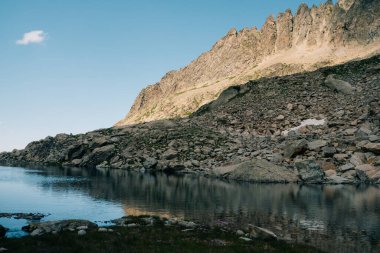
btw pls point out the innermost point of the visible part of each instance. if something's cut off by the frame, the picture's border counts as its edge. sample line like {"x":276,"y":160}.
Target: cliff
{"x":311,"y":38}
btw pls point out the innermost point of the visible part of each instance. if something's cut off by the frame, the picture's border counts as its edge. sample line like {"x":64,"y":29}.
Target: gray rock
{"x":82,"y":232}
{"x":328,"y":151}
{"x":295,"y":148}
{"x":338,"y":85}
{"x":346,"y":167}
{"x":245,"y":239}
{"x":314,"y":145}
{"x":37,"y":232}
{"x":261,"y":233}
{"x":310,"y":171}
{"x":372,"y":147}
{"x":150,"y":163}
{"x":170,"y":154}
{"x":240,"y":232}
{"x":256,"y":170}
{"x":368,"y":173}
{"x":334,"y":179}
{"x":358,"y":159}
{"x":187,"y":224}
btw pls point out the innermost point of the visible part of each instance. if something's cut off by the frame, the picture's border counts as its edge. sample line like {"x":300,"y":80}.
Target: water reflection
{"x":333,"y":218}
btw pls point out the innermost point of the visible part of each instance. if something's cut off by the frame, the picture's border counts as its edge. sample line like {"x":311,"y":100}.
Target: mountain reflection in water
{"x":331,"y":217}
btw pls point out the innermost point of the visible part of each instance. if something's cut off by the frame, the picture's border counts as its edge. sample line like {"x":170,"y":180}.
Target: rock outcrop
{"x":311,"y":38}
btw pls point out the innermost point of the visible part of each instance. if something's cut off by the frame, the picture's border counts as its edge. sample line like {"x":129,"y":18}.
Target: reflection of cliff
{"x":329,"y":217}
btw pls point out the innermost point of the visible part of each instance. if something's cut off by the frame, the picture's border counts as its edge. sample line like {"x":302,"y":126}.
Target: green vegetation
{"x":158,"y":238}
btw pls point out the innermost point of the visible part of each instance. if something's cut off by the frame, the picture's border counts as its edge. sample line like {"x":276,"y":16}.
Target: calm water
{"x":333,"y":218}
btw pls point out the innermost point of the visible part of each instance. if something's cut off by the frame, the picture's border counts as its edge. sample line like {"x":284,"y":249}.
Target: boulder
{"x":150,"y":163}
{"x":310,"y":171}
{"x":256,"y":170}
{"x":368,"y":173}
{"x":169,"y":154}
{"x":338,"y":85}
{"x":295,"y":148}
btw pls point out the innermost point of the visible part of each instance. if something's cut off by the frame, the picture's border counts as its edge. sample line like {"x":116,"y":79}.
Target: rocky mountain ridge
{"x":253,"y":132}
{"x":311,"y":38}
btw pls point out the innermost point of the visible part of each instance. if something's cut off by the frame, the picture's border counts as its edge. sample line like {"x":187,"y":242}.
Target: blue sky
{"x":92,"y":57}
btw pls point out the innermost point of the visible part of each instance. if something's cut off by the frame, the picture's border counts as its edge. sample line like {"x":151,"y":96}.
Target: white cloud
{"x":36,"y":37}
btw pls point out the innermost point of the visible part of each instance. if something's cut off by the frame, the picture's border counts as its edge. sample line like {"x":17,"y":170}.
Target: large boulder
{"x":257,"y":170}
{"x":338,"y":85}
{"x":310,"y":171}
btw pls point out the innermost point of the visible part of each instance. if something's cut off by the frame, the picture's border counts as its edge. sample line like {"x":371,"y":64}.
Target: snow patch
{"x":308,"y":122}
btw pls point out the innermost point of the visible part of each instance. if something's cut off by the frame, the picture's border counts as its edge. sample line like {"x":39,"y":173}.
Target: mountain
{"x":311,"y":38}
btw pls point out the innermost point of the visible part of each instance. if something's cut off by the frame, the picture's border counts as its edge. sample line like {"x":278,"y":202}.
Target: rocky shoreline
{"x":83,"y":231}
{"x":313,"y":127}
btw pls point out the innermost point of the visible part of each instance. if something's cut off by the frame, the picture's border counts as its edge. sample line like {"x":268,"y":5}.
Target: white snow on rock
{"x":308,"y":122}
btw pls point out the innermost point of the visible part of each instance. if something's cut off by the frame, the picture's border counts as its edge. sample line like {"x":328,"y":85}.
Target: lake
{"x":334,"y":218}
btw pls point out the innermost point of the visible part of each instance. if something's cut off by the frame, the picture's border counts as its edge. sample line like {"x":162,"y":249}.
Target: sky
{"x":69,"y":66}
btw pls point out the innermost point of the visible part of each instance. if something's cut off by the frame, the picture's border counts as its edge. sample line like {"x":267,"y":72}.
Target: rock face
{"x":309,"y":39}
{"x":241,"y":135}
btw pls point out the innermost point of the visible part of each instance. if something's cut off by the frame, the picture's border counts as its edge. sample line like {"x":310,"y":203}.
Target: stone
{"x":82,"y":228}
{"x":373,"y":138}
{"x":372,"y":147}
{"x":340,"y":157}
{"x":338,"y":85}
{"x":314,"y":145}
{"x":187,"y":224}
{"x":326,"y":165}
{"x":256,"y":170}
{"x":82,"y":232}
{"x":367,"y":173}
{"x":37,"y":232}
{"x":245,"y":239}
{"x":328,"y":151}
{"x":334,"y":179}
{"x":309,"y":171}
{"x":150,"y":163}
{"x":295,"y":148}
{"x":329,"y":173}
{"x":240,"y":232}
{"x":261,"y":233}
{"x":350,"y":174}
{"x":350,"y":131}
{"x":358,"y":159}
{"x":346,"y":167}
{"x":170,"y":154}
{"x":103,"y":230}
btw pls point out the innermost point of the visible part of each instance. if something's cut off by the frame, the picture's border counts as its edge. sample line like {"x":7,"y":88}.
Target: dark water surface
{"x":332,"y":218}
